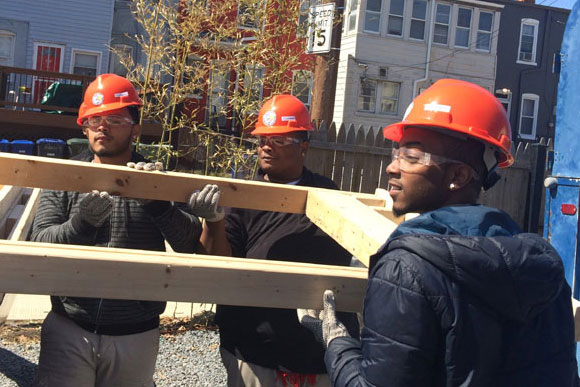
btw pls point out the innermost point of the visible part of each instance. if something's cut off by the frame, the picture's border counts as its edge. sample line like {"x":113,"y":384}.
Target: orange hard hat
{"x":282,"y":113}
{"x":107,"y":92}
{"x":460,"y":107}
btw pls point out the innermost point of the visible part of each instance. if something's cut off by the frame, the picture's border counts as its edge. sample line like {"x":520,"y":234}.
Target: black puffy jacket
{"x":457,"y":297}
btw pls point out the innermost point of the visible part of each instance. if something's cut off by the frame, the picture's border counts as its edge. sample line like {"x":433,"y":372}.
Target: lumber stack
{"x":359,"y":222}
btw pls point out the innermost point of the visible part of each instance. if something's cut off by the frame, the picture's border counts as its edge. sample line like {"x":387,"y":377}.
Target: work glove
{"x":95,"y":208}
{"x":204,"y":203}
{"x":323,"y":324}
{"x":143,"y":166}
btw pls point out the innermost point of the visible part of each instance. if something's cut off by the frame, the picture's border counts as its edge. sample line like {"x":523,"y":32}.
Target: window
{"x":217,"y":99}
{"x":119,"y":54}
{"x":352,"y":14}
{"x":484,"y":31}
{"x":396,"y":11}
{"x":85,"y":62}
{"x":7,"y":48}
{"x":304,"y":14}
{"x":418,"y":19}
{"x":253,"y":85}
{"x":302,"y":86}
{"x":248,"y":14}
{"x":463,"y":27}
{"x":441,"y":32}
{"x":194,"y":77}
{"x":529,"y":116}
{"x":371,"y":91}
{"x":373,"y":16}
{"x":528,"y":41}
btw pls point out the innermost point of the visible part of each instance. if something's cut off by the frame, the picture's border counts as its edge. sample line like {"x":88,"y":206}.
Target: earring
{"x":452,"y":186}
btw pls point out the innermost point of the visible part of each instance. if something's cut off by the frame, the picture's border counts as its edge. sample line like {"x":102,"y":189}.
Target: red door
{"x":48,"y":57}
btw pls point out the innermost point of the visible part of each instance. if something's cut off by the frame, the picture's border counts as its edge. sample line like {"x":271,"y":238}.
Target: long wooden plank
{"x":39,"y":268}
{"x":357,"y":227}
{"x":70,"y":175}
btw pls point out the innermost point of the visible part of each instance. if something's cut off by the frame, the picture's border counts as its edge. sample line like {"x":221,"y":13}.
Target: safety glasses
{"x":278,"y":140}
{"x":412,"y":159}
{"x":112,"y":121}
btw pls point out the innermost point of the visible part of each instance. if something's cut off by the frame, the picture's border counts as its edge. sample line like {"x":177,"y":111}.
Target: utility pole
{"x":325,"y":71}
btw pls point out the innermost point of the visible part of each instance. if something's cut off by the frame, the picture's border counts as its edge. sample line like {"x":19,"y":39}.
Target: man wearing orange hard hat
{"x":457,"y":296}
{"x":266,"y":346}
{"x":97,"y":341}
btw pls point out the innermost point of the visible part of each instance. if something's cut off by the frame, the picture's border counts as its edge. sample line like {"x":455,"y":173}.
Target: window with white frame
{"x":463,"y":27}
{"x":484,"y":31}
{"x":85,"y":62}
{"x":194,"y":77}
{"x":396,"y":12}
{"x":121,"y":53}
{"x":373,"y":16}
{"x":385,"y":92}
{"x":528,"y":41}
{"x":253,"y":85}
{"x":442,"y":18}
{"x":352,"y":15}
{"x":418,"y":19}
{"x":529,"y":116}
{"x":7,"y":48}
{"x":302,"y":86}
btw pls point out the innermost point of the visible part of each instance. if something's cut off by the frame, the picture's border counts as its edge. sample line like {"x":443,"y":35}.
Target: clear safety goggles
{"x":112,"y":121}
{"x":412,"y":159}
{"x":278,"y":140}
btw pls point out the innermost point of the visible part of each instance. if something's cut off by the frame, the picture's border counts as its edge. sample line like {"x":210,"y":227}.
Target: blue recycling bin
{"x":23,"y":147}
{"x":4,"y":145}
{"x":51,"y":147}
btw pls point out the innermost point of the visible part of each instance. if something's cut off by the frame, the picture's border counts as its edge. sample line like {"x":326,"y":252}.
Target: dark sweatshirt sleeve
{"x":52,"y":224}
{"x":400,"y":340}
{"x":180,"y":228}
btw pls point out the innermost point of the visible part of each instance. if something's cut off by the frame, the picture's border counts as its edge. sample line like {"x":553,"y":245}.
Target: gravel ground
{"x":188,"y":355}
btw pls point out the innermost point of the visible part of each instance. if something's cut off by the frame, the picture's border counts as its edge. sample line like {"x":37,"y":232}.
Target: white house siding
{"x":404,"y":62}
{"x":75,"y":24}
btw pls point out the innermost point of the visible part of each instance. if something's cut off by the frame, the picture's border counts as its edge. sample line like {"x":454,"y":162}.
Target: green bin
{"x":77,"y":145}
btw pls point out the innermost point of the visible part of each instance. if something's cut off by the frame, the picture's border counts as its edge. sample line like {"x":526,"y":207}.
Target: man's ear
{"x":85,"y":132}
{"x":303,"y":148}
{"x":135,"y":131}
{"x":459,"y":175}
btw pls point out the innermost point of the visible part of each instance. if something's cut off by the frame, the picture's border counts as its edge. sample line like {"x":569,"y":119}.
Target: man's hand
{"x":143,"y":166}
{"x":95,"y":208}
{"x":323,"y":324}
{"x":205,"y":203}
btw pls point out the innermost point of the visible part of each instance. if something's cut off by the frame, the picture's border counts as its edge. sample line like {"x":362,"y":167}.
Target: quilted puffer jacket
{"x":458,"y":297}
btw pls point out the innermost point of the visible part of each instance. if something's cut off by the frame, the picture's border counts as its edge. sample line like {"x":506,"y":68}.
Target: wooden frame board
{"x":42,"y":268}
{"x":70,"y":175}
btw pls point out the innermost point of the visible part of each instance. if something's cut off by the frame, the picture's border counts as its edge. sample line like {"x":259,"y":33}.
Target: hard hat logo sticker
{"x":98,"y":99}
{"x":269,"y":118}
{"x":435,"y":107}
{"x":123,"y":94}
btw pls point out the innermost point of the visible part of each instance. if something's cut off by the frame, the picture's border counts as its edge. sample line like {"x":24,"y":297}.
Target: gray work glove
{"x":205,"y":203}
{"x":323,"y":324}
{"x":143,"y":166}
{"x":95,"y":208}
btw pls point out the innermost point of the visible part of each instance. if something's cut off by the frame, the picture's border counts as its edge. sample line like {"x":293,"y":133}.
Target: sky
{"x":557,"y":3}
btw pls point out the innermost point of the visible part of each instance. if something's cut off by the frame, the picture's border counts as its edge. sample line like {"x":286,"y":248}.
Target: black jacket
{"x":130,"y":226}
{"x":270,"y":337}
{"x":457,"y":298}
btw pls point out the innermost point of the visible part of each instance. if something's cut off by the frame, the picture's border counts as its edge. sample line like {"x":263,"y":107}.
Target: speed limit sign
{"x":319,"y":35}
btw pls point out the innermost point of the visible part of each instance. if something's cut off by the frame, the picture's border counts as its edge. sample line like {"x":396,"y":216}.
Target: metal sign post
{"x":320,"y":20}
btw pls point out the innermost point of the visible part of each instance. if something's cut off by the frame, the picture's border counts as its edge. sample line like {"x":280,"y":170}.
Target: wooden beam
{"x":41,"y":268}
{"x":70,"y":175}
{"x":357,"y":228}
